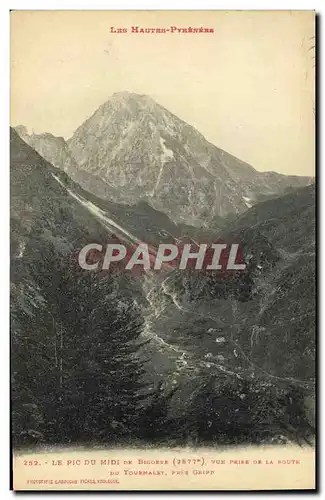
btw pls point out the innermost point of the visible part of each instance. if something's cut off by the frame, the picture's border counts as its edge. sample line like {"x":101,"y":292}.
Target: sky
{"x":248,"y":87}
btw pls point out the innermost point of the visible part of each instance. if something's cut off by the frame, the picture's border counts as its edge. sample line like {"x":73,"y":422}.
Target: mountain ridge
{"x":133,"y":148}
{"x":255,"y":334}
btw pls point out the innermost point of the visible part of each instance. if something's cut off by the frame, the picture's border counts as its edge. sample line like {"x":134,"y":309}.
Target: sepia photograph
{"x":162,"y":250}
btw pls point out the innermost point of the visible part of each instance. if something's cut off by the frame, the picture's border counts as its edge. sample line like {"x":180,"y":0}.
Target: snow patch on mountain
{"x":22,"y":246}
{"x":99,"y":213}
{"x":248,"y":202}
{"x":167,"y":153}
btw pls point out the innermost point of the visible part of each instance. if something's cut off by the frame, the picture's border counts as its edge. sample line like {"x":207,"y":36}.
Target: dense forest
{"x":77,"y":376}
{"x":82,"y":370}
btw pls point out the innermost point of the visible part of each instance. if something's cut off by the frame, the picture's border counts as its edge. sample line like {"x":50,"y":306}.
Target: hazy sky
{"x":248,"y":87}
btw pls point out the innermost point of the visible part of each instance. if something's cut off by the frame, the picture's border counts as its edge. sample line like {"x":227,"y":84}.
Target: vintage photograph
{"x":162,"y":191}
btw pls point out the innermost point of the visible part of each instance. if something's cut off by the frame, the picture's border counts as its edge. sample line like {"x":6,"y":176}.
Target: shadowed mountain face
{"x":226,"y":359}
{"x":229,"y":355}
{"x":289,"y":221}
{"x":266,"y":314}
{"x":66,"y":324}
{"x":41,"y":209}
{"x":258,"y":326}
{"x":133,"y":149}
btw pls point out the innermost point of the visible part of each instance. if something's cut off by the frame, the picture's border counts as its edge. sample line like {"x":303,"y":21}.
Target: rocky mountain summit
{"x":134,"y":149}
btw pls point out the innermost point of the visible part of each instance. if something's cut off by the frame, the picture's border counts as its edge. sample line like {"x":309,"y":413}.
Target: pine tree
{"x":76,"y":363}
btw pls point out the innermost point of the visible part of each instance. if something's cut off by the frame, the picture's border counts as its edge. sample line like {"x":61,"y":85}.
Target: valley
{"x":175,"y":357}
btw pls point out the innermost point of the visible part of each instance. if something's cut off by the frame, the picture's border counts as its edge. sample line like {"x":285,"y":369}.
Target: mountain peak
{"x":21,"y":130}
{"x":125,"y":94}
{"x":129,"y":101}
{"x":132,"y":148}
{"x":53,"y":148}
{"x":143,"y":151}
